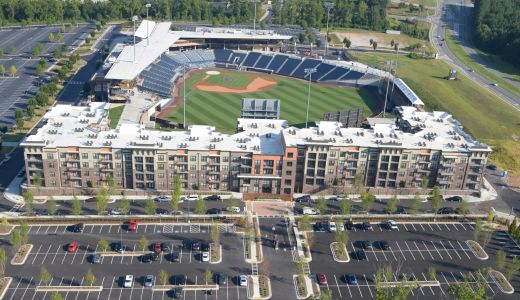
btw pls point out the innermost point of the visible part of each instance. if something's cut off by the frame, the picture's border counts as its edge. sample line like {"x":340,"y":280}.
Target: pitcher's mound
{"x":212,"y":72}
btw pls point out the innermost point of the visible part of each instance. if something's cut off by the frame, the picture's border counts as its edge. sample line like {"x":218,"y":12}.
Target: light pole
{"x":134,"y":18}
{"x":309,"y":72}
{"x":148,"y":5}
{"x":328,"y":6}
{"x":388,"y":64}
{"x":395,"y":70}
{"x":184,"y":93}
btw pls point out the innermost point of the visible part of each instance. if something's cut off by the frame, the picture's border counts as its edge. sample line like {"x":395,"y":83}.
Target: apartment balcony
{"x":473,"y":178}
{"x":106,"y":169}
{"x":72,"y":159}
{"x":35,"y":166}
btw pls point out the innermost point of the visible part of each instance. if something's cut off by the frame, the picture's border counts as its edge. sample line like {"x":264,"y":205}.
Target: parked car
{"x":383,"y":245}
{"x":349,"y":225}
{"x":148,"y":281}
{"x":310,"y":211}
{"x":175,"y":257}
{"x":322,"y":280}
{"x":118,"y":247}
{"x":366,"y":225}
{"x":351,"y":279}
{"x":166,"y":246}
{"x":161,"y":211}
{"x":115,"y":212}
{"x":365,"y":244}
{"x":132,"y":225}
{"x":157,"y":247}
{"x":233,"y":209}
{"x":219,"y":278}
{"x":213,"y":211}
{"x":195,"y":246}
{"x":192,"y":198}
{"x":78,"y":227}
{"x":391,"y":225}
{"x":204,"y":247}
{"x":205,"y":256}
{"x":128,"y":281}
{"x":90,"y":200}
{"x":243,"y":280}
{"x":73,"y":246}
{"x":454,"y":199}
{"x":177,"y":293}
{"x":319,"y":227}
{"x":213,"y":198}
{"x":95,"y":258}
{"x":446,"y":211}
{"x":360,"y":255}
{"x":331,"y":226}
{"x":163,"y":198}
{"x":303,"y":199}
{"x":492,"y":167}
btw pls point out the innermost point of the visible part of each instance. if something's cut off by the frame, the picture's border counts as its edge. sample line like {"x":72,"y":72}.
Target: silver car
{"x":148,"y":281}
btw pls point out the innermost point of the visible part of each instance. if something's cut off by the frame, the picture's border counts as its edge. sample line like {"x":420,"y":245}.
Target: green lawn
{"x":229,"y":79}
{"x":431,"y":3}
{"x":482,"y":114}
{"x":494,"y":62}
{"x":13,"y":136}
{"x":222,"y":110}
{"x":115,"y":114}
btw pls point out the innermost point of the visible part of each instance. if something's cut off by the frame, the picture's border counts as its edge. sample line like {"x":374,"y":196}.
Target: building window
{"x":161,"y":157}
{"x":139,"y":159}
{"x":85,"y":165}
{"x":51,"y":165}
{"x":118,"y":165}
{"x":160,"y":166}
{"x":193,"y":158}
{"x":118,"y":155}
{"x":84,"y":155}
{"x":50,"y":156}
{"x":204,"y":159}
{"x":149,"y":159}
{"x":290,"y":155}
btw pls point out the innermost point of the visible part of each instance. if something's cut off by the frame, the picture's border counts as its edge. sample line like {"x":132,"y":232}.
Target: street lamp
{"x":309,"y":73}
{"x":148,"y":5}
{"x":328,"y":6}
{"x":134,"y":18}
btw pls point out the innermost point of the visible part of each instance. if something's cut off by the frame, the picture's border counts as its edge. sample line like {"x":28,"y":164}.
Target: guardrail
{"x":401,"y":217}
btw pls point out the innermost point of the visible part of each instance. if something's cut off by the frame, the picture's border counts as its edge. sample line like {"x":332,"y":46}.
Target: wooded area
{"x":369,"y":14}
{"x":497,"y":28}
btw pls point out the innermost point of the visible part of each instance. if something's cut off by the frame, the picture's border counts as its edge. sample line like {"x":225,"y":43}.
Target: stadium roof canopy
{"x":407,"y":91}
{"x":127,"y":67}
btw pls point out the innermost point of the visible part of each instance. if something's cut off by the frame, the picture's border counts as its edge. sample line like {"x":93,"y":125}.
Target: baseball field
{"x":216,"y":99}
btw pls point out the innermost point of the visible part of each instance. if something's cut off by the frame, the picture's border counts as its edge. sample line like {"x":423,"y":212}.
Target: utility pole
{"x":148,"y":5}
{"x":134,"y":18}
{"x":309,"y":72}
{"x":328,"y":6}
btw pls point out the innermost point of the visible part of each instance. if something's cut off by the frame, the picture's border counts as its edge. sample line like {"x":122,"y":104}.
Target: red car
{"x":322,"y":279}
{"x":157,"y":247}
{"x":132,"y":225}
{"x":72,"y":247}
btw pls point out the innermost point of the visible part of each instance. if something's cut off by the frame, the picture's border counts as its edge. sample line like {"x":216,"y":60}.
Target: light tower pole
{"x":328,"y":6}
{"x":134,"y":18}
{"x":395,"y":70}
{"x":148,"y":5}
{"x":184,"y":94}
{"x":309,"y":73}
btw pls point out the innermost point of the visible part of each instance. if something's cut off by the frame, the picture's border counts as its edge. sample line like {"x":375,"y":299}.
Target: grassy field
{"x":494,"y":62}
{"x":431,"y":3}
{"x":221,"y":110}
{"x":229,"y":80}
{"x":482,"y":114}
{"x":115,"y":114}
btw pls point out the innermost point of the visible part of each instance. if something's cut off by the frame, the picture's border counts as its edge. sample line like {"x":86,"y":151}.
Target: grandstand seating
{"x":321,"y":71}
{"x":222,"y":55}
{"x":237,"y":58}
{"x":263,"y":61}
{"x":289,"y":66}
{"x":335,"y":74}
{"x":352,"y":75}
{"x":179,"y":57}
{"x":251,"y":59}
{"x":277,"y":62}
{"x":307,"y":63}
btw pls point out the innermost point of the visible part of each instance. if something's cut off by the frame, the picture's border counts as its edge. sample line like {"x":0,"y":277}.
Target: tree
{"x":512,"y":226}
{"x":87,"y":40}
{"x":466,"y":289}
{"x":45,"y":276}
{"x":19,"y":123}
{"x":5,"y":224}
{"x":318,"y":43}
{"x":214,"y":234}
{"x":13,"y":70}
{"x":512,"y":268}
{"x":501,"y":260}
{"x":342,"y":237}
{"x":12,"y":49}
{"x":102,"y":201}
{"x":71,"y":27}
{"x":301,"y":38}
{"x":51,"y":206}
{"x":463,"y":208}
{"x":111,"y":184}
{"x":416,"y":204}
{"x":59,"y":36}
{"x":345,"y":206}
{"x":93,"y":33}
{"x":325,"y":295}
{"x":3,"y":259}
{"x":1,"y":52}
{"x":63,"y":29}
{"x":51,"y":37}
{"x":367,"y":200}
{"x":374,"y":45}
{"x":18,"y":113}
{"x":28,"y":198}
{"x":102,"y":245}
{"x":359,"y":179}
{"x":24,"y":231}
{"x":56,"y":296}
{"x":90,"y":279}
{"x":15,"y":239}
{"x":431,"y":274}
{"x":436,"y":199}
{"x":163,"y":277}
{"x":392,"y":43}
{"x":2,"y":70}
{"x":149,"y":206}
{"x":392,"y":205}
{"x":321,"y":206}
{"x":200,"y":206}
{"x":176,"y":192}
{"x":76,"y":207}
{"x":31,"y":111}
{"x":477,"y":230}
{"x":491,"y":216}
{"x":347,"y":42}
{"x":305,"y":223}
{"x":208,"y":276}
{"x":124,"y":206}
{"x":143,"y":243}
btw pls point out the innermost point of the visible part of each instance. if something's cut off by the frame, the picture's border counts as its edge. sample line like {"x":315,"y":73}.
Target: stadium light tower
{"x":395,"y":70}
{"x":389,"y":67}
{"x":148,"y":5}
{"x":254,"y":21}
{"x":309,"y":73}
{"x":328,"y":6}
{"x":134,"y":18}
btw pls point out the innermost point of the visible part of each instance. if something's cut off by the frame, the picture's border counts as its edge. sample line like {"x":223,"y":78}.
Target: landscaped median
{"x":339,"y":252}
{"x":303,"y":286}
{"x":21,"y":255}
{"x":71,"y":288}
{"x":186,"y":287}
{"x":415,"y":283}
{"x":215,"y":256}
{"x":503,"y":284}
{"x":479,"y":252}
{"x":258,"y":287}
{"x":125,"y":253}
{"x":4,"y":285}
{"x":6,"y":230}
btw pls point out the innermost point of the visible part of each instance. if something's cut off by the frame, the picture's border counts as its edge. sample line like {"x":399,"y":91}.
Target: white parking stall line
{"x":64,"y":256}
{"x":78,"y":292}
{"x":445,"y":249}
{"x":464,"y":250}
{"x":114,"y":281}
{"x":56,"y":231}
{"x":91,"y":228}
{"x":46,"y":253}
{"x":47,"y":229}
{"x":76,"y":253}
{"x":431,"y":228}
{"x":470,"y":286}
{"x":392,"y":251}
{"x":411,"y":252}
{"x":425,"y":248}
{"x":27,"y":287}
{"x":100,"y":229}
{"x":131,"y":257}
{"x":38,"y":230}
{"x":413,"y":227}
{"x":405,"y":228}
{"x":440,"y":229}
{"x":454,"y":249}
{"x":426,"y":279}
{"x":102,"y":282}
{"x":34,"y":294}
{"x":64,"y":229}
{"x":436,"y":249}
{"x":348,"y":285}
{"x":337,"y":285}
{"x":145,"y":228}
{"x":16,"y":289}
{"x":422,"y":228}
{"x":36,"y":254}
{"x":463,"y":228}
{"x":400,"y":250}
{"x":447,"y":227}
{"x":359,"y":288}
{"x":368,"y":286}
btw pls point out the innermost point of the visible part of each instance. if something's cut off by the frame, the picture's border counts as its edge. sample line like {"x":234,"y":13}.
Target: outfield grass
{"x":457,"y":50}
{"x":114,"y":114}
{"x":482,"y":114}
{"x":229,"y":79}
{"x":221,"y":110}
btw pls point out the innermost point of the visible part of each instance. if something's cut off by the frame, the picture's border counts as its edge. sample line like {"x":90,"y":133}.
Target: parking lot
{"x":18,"y":89}
{"x":69,"y":268}
{"x":413,"y":249}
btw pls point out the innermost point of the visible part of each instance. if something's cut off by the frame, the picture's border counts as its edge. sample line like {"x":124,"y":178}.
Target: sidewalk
{"x":12,"y":192}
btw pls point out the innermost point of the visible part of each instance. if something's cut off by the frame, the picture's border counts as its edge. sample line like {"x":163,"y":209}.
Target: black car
{"x":78,"y":227}
{"x":213,"y":211}
{"x":118,"y":247}
{"x":360,"y":255}
{"x":365,"y":244}
{"x":195,"y":246}
{"x":150,"y":257}
{"x":366,"y":225}
{"x":492,"y":167}
{"x":383,"y":245}
{"x":161,"y":211}
{"x":204,"y":247}
{"x":349,"y":225}
{"x":177,"y":293}
{"x":213,"y":198}
{"x":174,"y":257}
{"x":319,"y":227}
{"x":454,"y":199}
{"x":219,"y":278}
{"x":166,"y":246}
{"x":446,"y":211}
{"x":303,"y":199}
{"x":154,"y":256}
{"x":400,"y":210}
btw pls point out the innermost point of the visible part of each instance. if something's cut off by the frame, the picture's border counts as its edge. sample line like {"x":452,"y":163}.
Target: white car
{"x":205,"y":256}
{"x":129,"y":281}
{"x":243,"y":280}
{"x":115,"y":212}
{"x":163,"y":198}
{"x":310,"y":211}
{"x":331,"y":226}
{"x":233,"y":209}
{"x":192,"y":198}
{"x":391,"y":224}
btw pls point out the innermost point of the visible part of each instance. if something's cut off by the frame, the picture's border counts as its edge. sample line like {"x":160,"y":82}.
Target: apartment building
{"x":76,"y":150}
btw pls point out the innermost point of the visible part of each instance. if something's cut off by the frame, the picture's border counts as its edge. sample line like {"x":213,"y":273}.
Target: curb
{"x":189,"y":287}
{"x":491,"y":274}
{"x":9,"y":280}
{"x":410,"y":283}
{"x":334,"y":253}
{"x":8,"y":231}
{"x":220,"y":256}
{"x":24,"y":259}
{"x":125,"y":253}
{"x":59,"y":288}
{"x":309,"y":288}
{"x":474,"y":252}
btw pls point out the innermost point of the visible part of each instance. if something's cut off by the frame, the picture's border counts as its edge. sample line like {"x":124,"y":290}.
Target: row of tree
{"x":497,"y":29}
